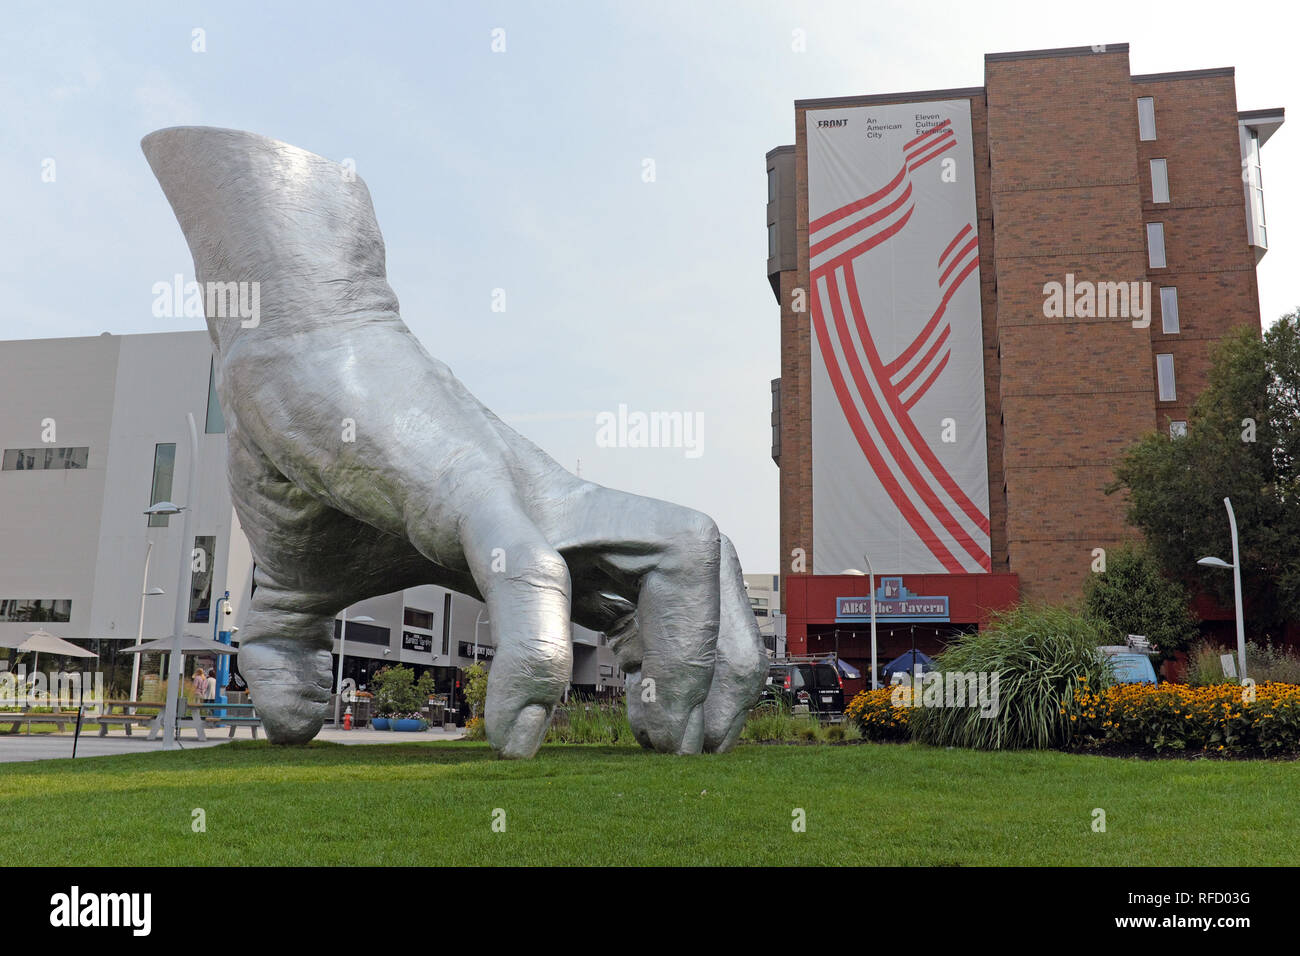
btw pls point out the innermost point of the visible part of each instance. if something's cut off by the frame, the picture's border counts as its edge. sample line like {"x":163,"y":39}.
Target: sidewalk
{"x":20,"y":748}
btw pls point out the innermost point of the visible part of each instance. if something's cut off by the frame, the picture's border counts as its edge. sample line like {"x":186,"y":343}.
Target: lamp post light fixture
{"x":871,"y":596}
{"x":477,"y":621}
{"x":145,"y":591}
{"x":343,"y":637}
{"x":1236,"y":585}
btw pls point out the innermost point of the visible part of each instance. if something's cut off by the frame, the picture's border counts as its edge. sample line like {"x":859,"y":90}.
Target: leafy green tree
{"x":1133,"y":596}
{"x":476,"y":676}
{"x":1242,"y":442}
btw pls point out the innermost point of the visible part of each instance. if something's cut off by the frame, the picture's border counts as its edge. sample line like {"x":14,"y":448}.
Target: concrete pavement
{"x":17,"y":748}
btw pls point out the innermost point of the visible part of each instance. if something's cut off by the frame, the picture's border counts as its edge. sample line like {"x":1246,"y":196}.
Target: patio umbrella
{"x":904,"y":664}
{"x":190,"y":644}
{"x":41,"y":640}
{"x":847,"y":669}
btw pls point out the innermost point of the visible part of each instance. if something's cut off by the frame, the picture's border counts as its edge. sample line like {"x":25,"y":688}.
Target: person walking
{"x":210,"y":687}
{"x":199,"y":685}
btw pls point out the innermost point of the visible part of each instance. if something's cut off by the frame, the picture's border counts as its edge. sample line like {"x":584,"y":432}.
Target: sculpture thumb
{"x":294,"y":231}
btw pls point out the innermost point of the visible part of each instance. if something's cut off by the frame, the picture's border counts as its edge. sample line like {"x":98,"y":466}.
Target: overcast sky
{"x":523,"y":171}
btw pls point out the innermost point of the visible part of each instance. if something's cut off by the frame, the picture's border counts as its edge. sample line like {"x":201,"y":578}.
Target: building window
{"x":1178,"y":429}
{"x":164,"y":467}
{"x":216,"y":423}
{"x":1169,"y":310}
{"x":1146,"y":117}
{"x":771,"y":185}
{"x":413,"y":618}
{"x":202,"y":559}
{"x":1255,"y":183}
{"x":1165,"y":378}
{"x":1156,"y":245}
{"x":35,"y":609}
{"x":48,"y":458}
{"x":771,"y":240}
{"x":1159,"y":181}
{"x":446,"y":624}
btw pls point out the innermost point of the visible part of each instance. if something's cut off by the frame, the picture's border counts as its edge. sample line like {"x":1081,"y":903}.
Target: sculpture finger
{"x":742,"y":659}
{"x":525,"y":584}
{"x":665,"y":558}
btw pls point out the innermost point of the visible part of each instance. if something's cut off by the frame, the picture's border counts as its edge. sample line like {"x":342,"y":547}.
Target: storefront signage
{"x":894,"y":602}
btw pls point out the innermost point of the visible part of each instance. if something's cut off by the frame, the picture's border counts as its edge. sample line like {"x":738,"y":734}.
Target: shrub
{"x":1270,"y":663}
{"x":590,"y":722}
{"x":476,"y":688}
{"x":398,"y":693}
{"x":474,"y":729}
{"x":1132,"y":596}
{"x":1043,"y":657}
{"x":1203,"y":665}
{"x":769,"y":721}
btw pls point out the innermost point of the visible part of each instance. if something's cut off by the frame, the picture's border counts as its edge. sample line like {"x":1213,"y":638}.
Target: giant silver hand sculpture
{"x":425,"y":486}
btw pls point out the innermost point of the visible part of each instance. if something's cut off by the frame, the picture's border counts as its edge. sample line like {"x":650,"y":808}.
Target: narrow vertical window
{"x":1159,"y":181}
{"x":1156,"y":245}
{"x":1165,"y":378}
{"x":1146,"y":118}
{"x":202,"y":559}
{"x":216,"y":423}
{"x":1169,"y":310}
{"x":164,"y":466}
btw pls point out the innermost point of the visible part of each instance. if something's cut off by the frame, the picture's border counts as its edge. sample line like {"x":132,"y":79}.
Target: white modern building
{"x":92,"y":432}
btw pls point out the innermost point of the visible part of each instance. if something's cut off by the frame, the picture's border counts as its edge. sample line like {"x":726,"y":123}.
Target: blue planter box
{"x":409,"y":724}
{"x":379,"y":723}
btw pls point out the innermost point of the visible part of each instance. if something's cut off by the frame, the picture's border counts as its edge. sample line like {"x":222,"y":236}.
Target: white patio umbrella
{"x":191,"y":644}
{"x":42,"y":641}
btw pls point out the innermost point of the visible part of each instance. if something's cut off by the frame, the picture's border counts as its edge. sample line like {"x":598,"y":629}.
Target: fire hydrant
{"x":347,"y":719}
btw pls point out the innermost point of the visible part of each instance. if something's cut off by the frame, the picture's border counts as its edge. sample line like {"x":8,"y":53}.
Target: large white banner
{"x":900,"y":472}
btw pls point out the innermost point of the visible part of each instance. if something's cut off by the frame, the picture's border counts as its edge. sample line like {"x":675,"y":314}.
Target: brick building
{"x":964,"y":349}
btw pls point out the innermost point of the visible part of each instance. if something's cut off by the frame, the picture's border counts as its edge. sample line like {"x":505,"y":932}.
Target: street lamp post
{"x":477,"y":621}
{"x":343,"y":637}
{"x":1236,"y":585}
{"x":145,"y":591}
{"x":177,"y":665}
{"x":871,"y":585}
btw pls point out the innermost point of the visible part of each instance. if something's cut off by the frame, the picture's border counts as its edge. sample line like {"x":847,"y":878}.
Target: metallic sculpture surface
{"x":359,"y":466}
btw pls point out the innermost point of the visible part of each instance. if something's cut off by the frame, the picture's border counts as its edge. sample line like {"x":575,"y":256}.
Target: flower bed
{"x":880,"y":720}
{"x":1219,"y":720}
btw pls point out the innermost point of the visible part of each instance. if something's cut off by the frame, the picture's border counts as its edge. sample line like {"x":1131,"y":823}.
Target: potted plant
{"x":398,"y":697}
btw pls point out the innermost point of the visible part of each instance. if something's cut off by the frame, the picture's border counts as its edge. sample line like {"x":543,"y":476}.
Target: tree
{"x":1242,"y":442}
{"x":1133,"y":596}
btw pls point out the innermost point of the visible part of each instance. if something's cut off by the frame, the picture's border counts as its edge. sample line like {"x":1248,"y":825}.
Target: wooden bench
{"x":27,"y":718}
{"x":244,"y":715}
{"x":124,"y":712}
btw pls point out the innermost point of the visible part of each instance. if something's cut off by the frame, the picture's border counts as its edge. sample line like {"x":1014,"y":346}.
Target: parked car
{"x":1130,"y":666}
{"x":813,"y":684}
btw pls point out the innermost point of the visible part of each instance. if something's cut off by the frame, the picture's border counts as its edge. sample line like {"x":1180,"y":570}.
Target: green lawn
{"x":433,"y":804}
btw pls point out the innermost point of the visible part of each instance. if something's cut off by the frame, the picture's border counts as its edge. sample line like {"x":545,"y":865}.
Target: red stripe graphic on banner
{"x":918,"y":443}
{"x":861,"y":224}
{"x":955,"y":239}
{"x":929,"y":132}
{"x":919,"y":484}
{"x":922,"y":365}
{"x":973,"y":244}
{"x":946,"y":136}
{"x":942,"y":149}
{"x":838,"y":214}
{"x":925,"y":387}
{"x":924,"y":335}
{"x":846,"y":258}
{"x":868,"y":446}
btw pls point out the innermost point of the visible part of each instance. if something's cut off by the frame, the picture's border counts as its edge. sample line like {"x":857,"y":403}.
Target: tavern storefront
{"x":831,"y":614}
